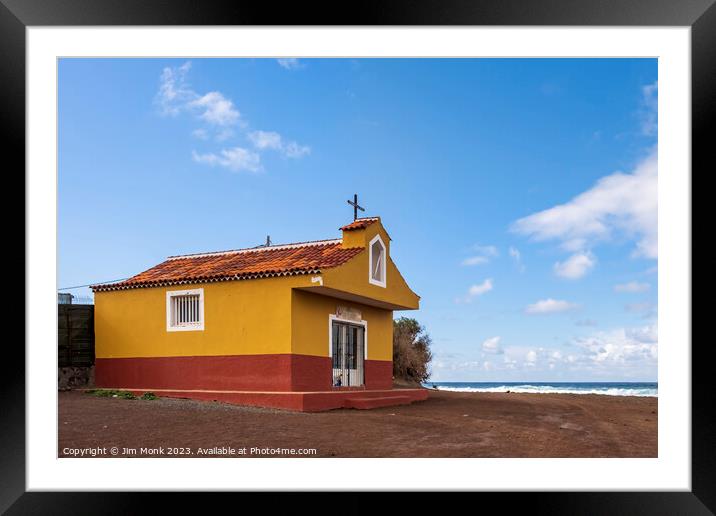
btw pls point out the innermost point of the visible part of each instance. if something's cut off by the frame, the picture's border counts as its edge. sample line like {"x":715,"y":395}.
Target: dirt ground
{"x":448,"y":424}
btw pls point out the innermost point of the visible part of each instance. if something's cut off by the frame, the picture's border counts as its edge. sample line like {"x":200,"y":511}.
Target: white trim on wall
{"x":192,"y":327}
{"x":331,"y":318}
{"x":383,"y":268}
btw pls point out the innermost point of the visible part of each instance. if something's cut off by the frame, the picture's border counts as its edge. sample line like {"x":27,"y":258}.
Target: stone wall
{"x":75,"y":377}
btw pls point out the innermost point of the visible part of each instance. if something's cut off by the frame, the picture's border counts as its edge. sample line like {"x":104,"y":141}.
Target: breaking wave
{"x":642,"y":389}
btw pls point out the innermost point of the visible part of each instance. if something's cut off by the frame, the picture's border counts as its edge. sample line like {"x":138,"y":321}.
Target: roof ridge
{"x":360,"y":223}
{"x":311,"y":259}
{"x":258,"y":249}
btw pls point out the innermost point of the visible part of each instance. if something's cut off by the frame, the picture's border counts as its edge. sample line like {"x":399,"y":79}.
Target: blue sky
{"x":520,"y":193}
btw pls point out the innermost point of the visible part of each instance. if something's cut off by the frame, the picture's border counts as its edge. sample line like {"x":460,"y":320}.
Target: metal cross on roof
{"x":356,"y":206}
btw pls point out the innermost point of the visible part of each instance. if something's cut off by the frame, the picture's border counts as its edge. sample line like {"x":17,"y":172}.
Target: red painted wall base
{"x":265,"y":373}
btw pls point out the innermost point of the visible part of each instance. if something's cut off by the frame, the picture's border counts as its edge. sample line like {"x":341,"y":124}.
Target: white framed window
{"x":376,"y":261}
{"x":185,"y":310}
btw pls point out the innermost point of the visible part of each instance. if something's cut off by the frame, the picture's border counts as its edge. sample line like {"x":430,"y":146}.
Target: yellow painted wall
{"x":240,"y":317}
{"x":310,"y":325}
{"x":361,"y":237}
{"x":353,"y":276}
{"x":249,"y":317}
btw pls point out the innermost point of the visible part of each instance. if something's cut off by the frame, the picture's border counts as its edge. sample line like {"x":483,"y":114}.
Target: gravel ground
{"x":448,"y":424}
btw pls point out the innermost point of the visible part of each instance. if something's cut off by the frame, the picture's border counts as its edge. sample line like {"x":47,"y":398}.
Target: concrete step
{"x":370,"y":403}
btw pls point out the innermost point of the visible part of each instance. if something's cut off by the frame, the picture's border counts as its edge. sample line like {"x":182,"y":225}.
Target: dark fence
{"x":75,"y":335}
{"x":64,"y":298}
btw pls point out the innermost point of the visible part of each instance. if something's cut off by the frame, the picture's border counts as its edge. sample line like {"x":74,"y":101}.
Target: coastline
{"x":638,"y":389}
{"x":448,"y":424}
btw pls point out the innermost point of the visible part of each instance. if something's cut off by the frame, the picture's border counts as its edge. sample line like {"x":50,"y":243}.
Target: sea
{"x":605,"y":388}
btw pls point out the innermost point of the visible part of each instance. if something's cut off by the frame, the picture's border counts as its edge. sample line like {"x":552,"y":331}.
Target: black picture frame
{"x":700,"y":15}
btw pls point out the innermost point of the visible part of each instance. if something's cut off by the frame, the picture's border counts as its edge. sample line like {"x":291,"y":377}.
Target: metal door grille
{"x":348,"y":353}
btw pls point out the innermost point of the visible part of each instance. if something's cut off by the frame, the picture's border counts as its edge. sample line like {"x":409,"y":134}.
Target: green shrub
{"x":100,"y":393}
{"x":109,"y":393}
{"x":411,"y":351}
{"x":149,"y":396}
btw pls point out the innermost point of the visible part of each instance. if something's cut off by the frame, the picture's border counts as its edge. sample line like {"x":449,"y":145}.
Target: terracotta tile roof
{"x":257,"y":262}
{"x":360,"y":223}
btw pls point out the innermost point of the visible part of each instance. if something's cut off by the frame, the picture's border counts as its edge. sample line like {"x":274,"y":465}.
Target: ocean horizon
{"x":649,"y":389}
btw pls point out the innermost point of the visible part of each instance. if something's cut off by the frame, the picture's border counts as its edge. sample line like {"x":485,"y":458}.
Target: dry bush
{"x":411,"y":351}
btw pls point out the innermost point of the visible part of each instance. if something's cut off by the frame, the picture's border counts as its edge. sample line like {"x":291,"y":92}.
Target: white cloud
{"x":619,"y":203}
{"x":215,"y":109}
{"x":175,"y":95}
{"x":290,"y":63}
{"x":549,"y":306}
{"x":483,"y":255}
{"x":531,"y":357}
{"x":517,"y":257}
{"x":264,"y":140}
{"x":509,"y":363}
{"x":622,"y":345}
{"x":174,"y":91}
{"x":221,"y":117}
{"x":620,"y":354}
{"x":645,"y":334}
{"x":492,"y":345}
{"x":475,"y":260}
{"x":649,"y":112}
{"x":632,"y":287}
{"x":207,"y":159}
{"x":294,"y":150}
{"x":575,"y":266}
{"x":235,"y":159}
{"x":476,"y":290}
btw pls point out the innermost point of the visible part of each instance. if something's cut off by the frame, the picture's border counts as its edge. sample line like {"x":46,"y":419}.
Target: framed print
{"x":427,"y":248}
